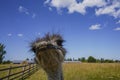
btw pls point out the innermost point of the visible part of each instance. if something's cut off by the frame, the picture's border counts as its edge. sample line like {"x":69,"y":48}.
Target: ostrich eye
{"x":59,"y":42}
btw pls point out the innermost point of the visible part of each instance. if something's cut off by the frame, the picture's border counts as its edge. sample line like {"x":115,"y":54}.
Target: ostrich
{"x":49,"y":54}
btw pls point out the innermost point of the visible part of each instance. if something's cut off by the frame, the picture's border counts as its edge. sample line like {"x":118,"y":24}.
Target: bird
{"x":50,"y":54}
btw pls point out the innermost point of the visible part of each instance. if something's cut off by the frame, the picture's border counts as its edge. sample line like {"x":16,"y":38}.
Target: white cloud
{"x":118,"y":22}
{"x":47,"y":1}
{"x":9,"y":34}
{"x":117,"y":29}
{"x":92,"y":3}
{"x":19,"y":35}
{"x":95,"y":27}
{"x":102,"y":7}
{"x":110,"y":9}
{"x":33,"y":15}
{"x":39,"y":33}
{"x":50,"y":8}
{"x":23,"y":10}
{"x":74,"y":6}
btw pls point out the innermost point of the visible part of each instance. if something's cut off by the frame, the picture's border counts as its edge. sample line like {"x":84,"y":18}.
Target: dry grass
{"x":4,"y":73}
{"x":85,"y":71}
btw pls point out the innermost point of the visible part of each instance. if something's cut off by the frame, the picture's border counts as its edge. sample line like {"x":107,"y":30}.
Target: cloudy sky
{"x":90,"y":27}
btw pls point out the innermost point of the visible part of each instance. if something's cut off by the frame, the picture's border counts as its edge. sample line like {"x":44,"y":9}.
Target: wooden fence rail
{"x":26,"y":70}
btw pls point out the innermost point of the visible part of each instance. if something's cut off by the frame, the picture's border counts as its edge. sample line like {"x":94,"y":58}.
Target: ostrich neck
{"x":56,"y":75}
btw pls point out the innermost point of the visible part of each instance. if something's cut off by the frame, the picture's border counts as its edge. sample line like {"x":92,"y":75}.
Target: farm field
{"x":81,"y":71}
{"x":85,"y":71}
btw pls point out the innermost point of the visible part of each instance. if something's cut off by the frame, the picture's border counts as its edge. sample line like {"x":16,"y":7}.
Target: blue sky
{"x":90,"y":27}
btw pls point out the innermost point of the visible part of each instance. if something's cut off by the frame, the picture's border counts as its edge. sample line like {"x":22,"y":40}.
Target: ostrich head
{"x":50,"y":54}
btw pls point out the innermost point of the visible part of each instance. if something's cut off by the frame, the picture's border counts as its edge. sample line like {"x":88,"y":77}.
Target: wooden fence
{"x":23,"y":72}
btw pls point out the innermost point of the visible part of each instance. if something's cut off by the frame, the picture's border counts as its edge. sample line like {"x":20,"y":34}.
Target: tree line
{"x":92,"y":59}
{"x":2,"y":52}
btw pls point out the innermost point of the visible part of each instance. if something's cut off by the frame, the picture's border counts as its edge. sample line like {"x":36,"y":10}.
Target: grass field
{"x":84,"y":71}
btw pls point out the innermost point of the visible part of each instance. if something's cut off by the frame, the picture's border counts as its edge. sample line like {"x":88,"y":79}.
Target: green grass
{"x":85,"y":71}
{"x":81,"y":71}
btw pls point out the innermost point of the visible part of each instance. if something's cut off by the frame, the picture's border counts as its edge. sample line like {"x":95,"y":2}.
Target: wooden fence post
{"x":29,"y":69}
{"x":36,"y":67}
{"x":9,"y":72}
{"x":23,"y":69}
{"x":33,"y":68}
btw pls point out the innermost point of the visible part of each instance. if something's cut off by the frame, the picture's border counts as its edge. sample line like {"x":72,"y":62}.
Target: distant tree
{"x":91,"y":59}
{"x":7,"y":62}
{"x":2,"y":52}
{"x":98,"y":61}
{"x":102,"y":60}
{"x":31,"y":59}
{"x":75,"y":59}
{"x":83,"y":59}
{"x":109,"y":61}
{"x":68,"y":59}
{"x":117,"y":61}
{"x":79,"y":59}
{"x":27,"y":59}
